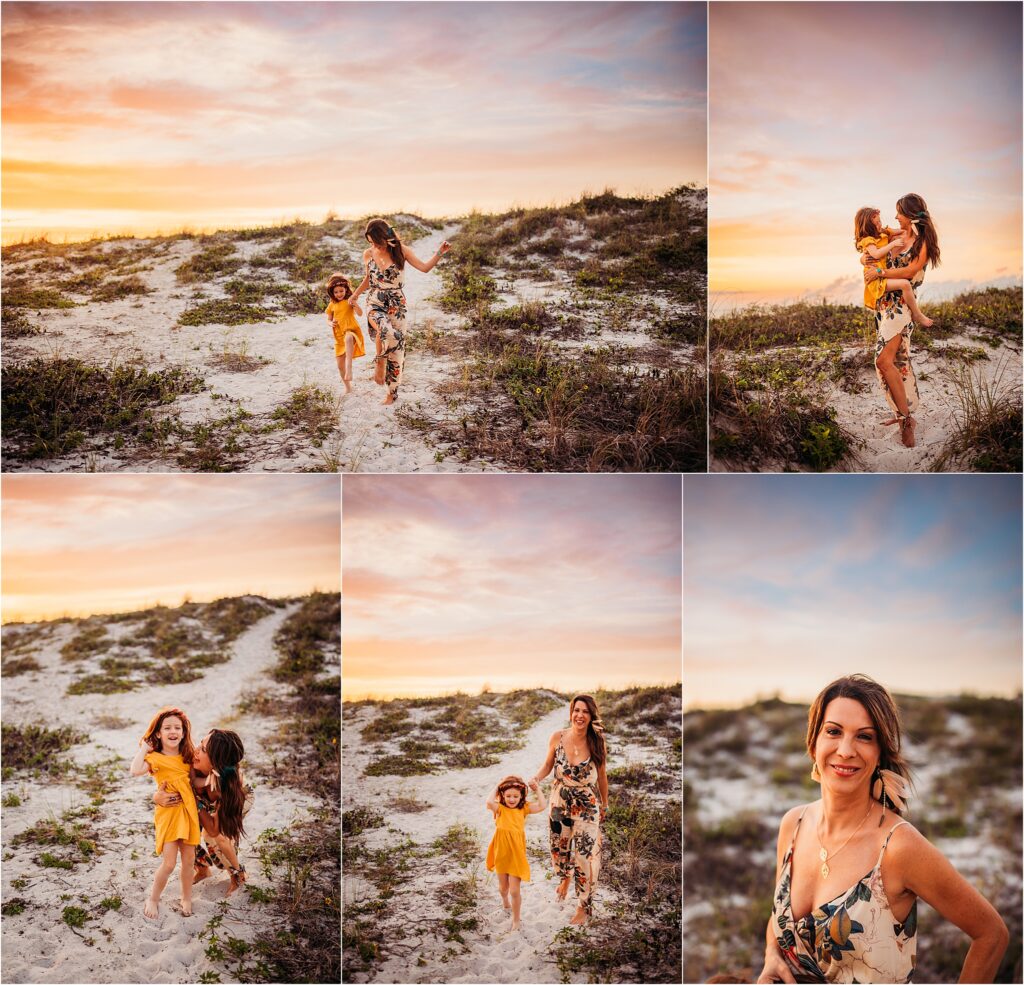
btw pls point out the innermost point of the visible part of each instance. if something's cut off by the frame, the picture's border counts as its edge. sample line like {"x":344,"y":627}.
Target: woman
{"x":832,"y":923}
{"x":223,"y":800}
{"x":384,"y":262}
{"x":578,"y":756}
{"x":893,"y":323}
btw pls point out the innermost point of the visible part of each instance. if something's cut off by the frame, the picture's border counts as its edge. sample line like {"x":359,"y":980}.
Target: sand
{"x":122,"y":946}
{"x":492,"y":953}
{"x":878,"y":447}
{"x":298,"y":350}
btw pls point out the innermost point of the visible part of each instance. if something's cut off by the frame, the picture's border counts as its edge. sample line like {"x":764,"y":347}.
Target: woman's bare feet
{"x":389,"y":399}
{"x":579,"y":917}
{"x":202,"y":871}
{"x":151,"y":908}
{"x":892,"y":420}
{"x":186,"y":907}
{"x":925,"y":321}
{"x":563,"y":888}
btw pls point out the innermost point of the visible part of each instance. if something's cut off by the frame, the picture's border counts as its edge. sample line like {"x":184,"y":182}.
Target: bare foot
{"x":233,"y":888}
{"x":927,"y":322}
{"x":389,"y":399}
{"x":892,"y":420}
{"x":505,"y":904}
{"x":202,"y":871}
{"x":579,"y":917}
{"x":186,"y":907}
{"x":151,"y":908}
{"x":563,"y":888}
{"x":348,"y":385}
{"x":515,"y":925}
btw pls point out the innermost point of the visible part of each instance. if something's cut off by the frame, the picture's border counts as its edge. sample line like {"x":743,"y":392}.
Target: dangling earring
{"x":815,"y":775}
{"x":881,"y":780}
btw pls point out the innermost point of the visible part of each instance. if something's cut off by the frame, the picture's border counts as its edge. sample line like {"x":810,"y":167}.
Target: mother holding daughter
{"x":895,"y":311}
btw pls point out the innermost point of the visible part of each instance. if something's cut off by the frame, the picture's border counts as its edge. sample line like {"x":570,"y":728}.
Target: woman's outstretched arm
{"x":920,"y":868}
{"x":431,"y":263}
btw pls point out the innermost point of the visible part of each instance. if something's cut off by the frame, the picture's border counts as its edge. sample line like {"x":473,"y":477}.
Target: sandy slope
{"x":37,"y":945}
{"x":879,"y":447}
{"x":297,"y":349}
{"x":492,"y":953}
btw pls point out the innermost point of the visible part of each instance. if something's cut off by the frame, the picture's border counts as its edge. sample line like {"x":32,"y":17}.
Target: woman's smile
{"x":841,"y":770}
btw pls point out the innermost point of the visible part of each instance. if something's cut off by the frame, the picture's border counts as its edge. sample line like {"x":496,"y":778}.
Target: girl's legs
{"x":350,"y":346}
{"x":894,"y":380}
{"x":516,"y":899}
{"x":188,"y":871}
{"x":503,"y":889}
{"x":911,"y":300}
{"x":168,"y":856}
{"x":341,"y":367}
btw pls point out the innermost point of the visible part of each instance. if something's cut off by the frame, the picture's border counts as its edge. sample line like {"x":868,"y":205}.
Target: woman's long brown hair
{"x":225,"y":750}
{"x":595,"y":736}
{"x":384,"y":237}
{"x":915,"y":209}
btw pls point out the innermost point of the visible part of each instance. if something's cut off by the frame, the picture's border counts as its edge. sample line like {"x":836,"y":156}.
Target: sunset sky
{"x":154,"y":116}
{"x":792,"y":581}
{"x":82,"y":544}
{"x":564,"y":581}
{"x":818,"y":109}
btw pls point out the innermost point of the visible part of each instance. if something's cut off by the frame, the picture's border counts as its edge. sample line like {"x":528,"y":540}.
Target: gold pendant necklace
{"x":823,"y":853}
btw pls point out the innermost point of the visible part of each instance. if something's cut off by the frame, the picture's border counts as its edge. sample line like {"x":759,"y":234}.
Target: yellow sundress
{"x":344,"y":320}
{"x":179,"y":821}
{"x":876,"y":288}
{"x":507,"y":851}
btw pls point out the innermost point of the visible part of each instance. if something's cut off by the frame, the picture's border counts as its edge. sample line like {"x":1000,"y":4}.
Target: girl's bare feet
{"x":348,"y":384}
{"x":563,"y":888}
{"x":151,"y":908}
{"x":515,"y":925}
{"x":505,"y":904}
{"x":186,"y":907}
{"x":579,"y":917}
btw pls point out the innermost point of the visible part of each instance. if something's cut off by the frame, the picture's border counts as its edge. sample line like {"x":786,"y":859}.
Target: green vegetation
{"x":51,"y":406}
{"x":92,"y":639}
{"x":311,"y":411}
{"x":37,"y":748}
{"x":76,"y":841}
{"x":214,"y":260}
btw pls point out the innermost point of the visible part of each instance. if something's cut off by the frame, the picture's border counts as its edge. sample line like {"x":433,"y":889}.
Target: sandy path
{"x":879,"y":447}
{"x":294,"y":351}
{"x":493,"y":954}
{"x":37,"y":945}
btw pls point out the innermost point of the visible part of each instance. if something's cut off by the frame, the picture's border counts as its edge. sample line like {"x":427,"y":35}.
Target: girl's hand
{"x":534,"y":786}
{"x":143,"y":744}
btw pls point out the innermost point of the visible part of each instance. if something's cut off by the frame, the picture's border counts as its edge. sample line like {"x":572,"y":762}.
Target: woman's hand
{"x":604,"y":811}
{"x":872,"y":273}
{"x":165,"y":797}
{"x":534,"y":785}
{"x":775,"y":968}
{"x":444,"y":248}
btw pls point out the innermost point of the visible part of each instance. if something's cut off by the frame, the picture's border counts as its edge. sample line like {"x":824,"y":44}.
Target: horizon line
{"x":329,"y":213}
{"x":450,"y":693}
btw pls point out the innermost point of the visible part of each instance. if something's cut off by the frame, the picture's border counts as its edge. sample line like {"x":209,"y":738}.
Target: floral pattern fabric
{"x":892,"y":317}
{"x":852,"y":938}
{"x":386,"y":311}
{"x":574,"y":819}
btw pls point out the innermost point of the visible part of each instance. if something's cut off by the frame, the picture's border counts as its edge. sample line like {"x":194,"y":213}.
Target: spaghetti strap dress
{"x":386,"y":311}
{"x":574,"y":819}
{"x":892,"y":317}
{"x":852,"y":938}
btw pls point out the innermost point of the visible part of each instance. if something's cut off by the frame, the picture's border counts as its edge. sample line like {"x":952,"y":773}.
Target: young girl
{"x":165,"y":751}
{"x":507,"y":852}
{"x":877,"y":241}
{"x":348,"y":336}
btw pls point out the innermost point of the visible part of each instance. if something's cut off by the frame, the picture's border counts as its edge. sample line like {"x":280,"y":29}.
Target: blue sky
{"x":790,"y":581}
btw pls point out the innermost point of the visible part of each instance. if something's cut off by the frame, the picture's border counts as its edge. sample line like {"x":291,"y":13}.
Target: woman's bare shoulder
{"x":556,"y":737}
{"x":367,"y":253}
{"x":789,"y":820}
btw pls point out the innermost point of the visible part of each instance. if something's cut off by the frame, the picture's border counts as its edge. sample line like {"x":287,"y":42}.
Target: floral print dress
{"x":892,"y":317}
{"x":574,"y":817}
{"x":852,"y":938}
{"x":386,"y":315}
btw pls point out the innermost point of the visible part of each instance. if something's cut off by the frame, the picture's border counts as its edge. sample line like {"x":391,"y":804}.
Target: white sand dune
{"x":878,"y":447}
{"x":298,"y":350}
{"x":491,"y":952}
{"x":121,"y":945}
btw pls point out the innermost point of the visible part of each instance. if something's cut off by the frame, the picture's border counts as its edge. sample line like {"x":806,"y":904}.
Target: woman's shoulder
{"x":787,"y":826}
{"x":367,"y":253}
{"x":556,"y":737}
